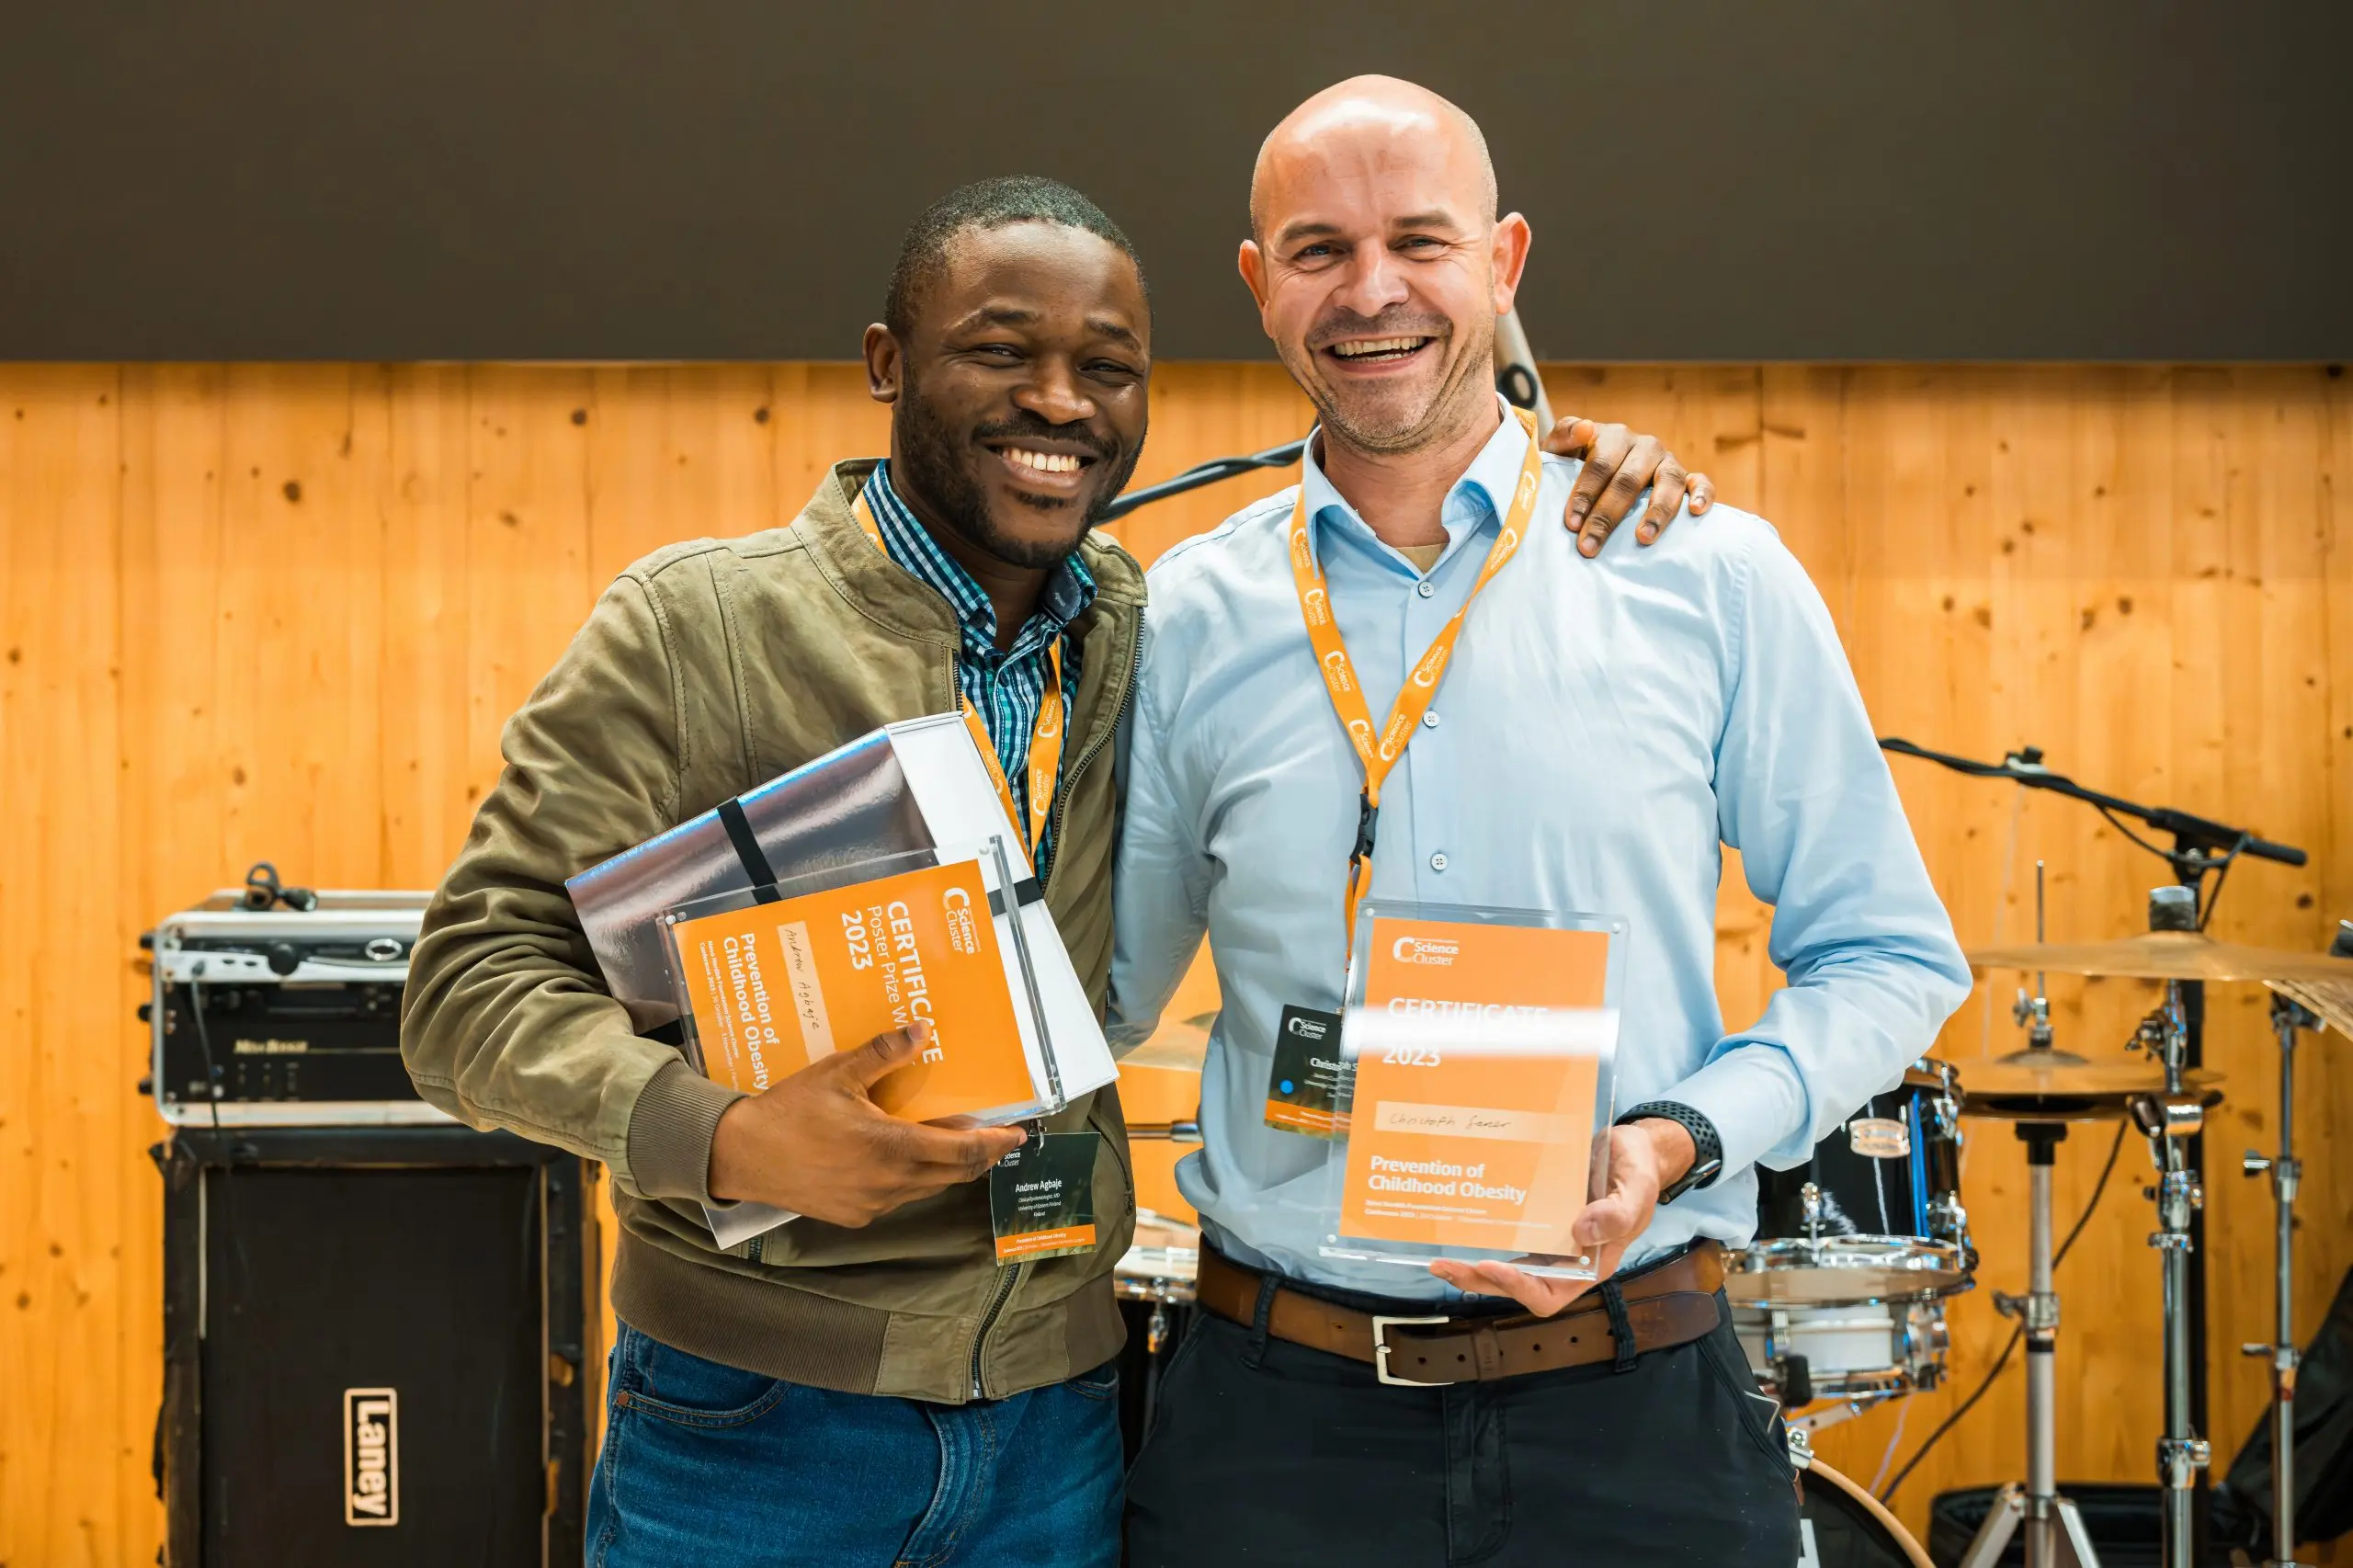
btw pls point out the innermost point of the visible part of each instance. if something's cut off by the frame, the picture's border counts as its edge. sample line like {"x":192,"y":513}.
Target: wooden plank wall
{"x":281,"y":612}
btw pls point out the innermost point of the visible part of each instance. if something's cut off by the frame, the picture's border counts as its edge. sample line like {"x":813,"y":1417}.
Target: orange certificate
{"x":1472,"y":1121}
{"x":775,"y":987}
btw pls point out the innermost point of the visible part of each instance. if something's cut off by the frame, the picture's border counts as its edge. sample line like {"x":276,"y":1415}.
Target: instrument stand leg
{"x":2075,"y":1542}
{"x":2001,"y":1523}
{"x":2055,"y":1536}
{"x":2287,"y":1018}
{"x":2070,"y":1543}
{"x":2172,"y":1121}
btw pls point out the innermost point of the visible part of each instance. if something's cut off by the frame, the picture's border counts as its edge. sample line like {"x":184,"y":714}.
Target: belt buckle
{"x":1380,"y":1348}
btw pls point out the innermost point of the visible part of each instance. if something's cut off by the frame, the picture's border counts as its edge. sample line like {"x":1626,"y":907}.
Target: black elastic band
{"x":1621,"y":1328}
{"x":748,"y":850}
{"x":1024,"y":891}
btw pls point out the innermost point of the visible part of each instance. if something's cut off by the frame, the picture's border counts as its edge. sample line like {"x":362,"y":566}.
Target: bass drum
{"x":1842,"y":1526}
{"x":1875,"y":1215}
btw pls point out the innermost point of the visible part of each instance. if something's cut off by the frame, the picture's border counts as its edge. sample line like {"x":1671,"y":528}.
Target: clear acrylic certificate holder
{"x":997,"y":876}
{"x":1478,"y":1051}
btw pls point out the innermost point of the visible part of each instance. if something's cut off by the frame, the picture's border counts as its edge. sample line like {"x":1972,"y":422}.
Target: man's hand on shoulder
{"x":1645,"y":1157}
{"x":817,"y":1143}
{"x":1618,"y":465}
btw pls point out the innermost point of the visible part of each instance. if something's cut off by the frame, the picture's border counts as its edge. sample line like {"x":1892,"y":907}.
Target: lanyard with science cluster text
{"x":1045,"y":737}
{"x":1379,"y":752}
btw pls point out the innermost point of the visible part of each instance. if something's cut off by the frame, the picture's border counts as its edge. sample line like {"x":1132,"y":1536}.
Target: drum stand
{"x":2287,"y":1017}
{"x":2056,"y":1536}
{"x":2171,"y":1121}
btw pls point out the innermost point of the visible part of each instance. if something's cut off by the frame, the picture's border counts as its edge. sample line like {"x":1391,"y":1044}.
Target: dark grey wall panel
{"x":1902,"y":180}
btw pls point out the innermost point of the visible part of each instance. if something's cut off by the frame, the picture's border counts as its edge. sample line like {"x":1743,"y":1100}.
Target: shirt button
{"x":1425,"y":587}
{"x":1438,"y":861}
{"x":1430,"y":720}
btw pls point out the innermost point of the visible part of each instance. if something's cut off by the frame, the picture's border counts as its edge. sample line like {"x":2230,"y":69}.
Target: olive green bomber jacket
{"x":706,"y":669}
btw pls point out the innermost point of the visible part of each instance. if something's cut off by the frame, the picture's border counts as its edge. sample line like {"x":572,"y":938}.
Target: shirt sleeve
{"x":1159,"y":886}
{"x":1804,"y":794}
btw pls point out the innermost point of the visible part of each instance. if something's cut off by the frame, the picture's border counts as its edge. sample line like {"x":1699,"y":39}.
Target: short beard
{"x":1458,"y":399}
{"x":932,"y":458}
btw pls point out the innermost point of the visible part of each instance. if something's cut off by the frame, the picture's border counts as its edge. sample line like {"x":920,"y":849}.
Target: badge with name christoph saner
{"x":1304,"y":1086}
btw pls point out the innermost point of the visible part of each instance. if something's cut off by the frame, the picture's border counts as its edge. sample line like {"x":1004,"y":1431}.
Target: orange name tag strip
{"x":1480,"y":1139}
{"x":1048,"y":1243}
{"x":1378,"y":750}
{"x":776,"y":986}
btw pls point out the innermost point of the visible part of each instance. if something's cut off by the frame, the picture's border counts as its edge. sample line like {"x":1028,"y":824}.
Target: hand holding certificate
{"x":1477,"y":1048}
{"x":1644,"y":1158}
{"x":816,"y":1143}
{"x":789,"y":941}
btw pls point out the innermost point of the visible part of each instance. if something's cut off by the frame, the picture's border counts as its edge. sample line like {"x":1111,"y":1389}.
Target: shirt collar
{"x":1481,"y":494}
{"x":1068,"y":592}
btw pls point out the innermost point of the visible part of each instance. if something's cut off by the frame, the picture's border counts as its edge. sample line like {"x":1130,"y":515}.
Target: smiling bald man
{"x":1602,"y":728}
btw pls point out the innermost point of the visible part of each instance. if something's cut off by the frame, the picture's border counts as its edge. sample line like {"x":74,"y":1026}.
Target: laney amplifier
{"x":278,"y":1007}
{"x":380,"y":1348}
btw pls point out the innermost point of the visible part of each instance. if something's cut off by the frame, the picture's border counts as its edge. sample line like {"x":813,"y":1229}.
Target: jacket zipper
{"x":1127,"y":695}
{"x":988,"y":1320}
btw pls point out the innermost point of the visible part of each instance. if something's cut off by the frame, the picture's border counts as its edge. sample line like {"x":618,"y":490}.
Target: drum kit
{"x":1840,"y":1299}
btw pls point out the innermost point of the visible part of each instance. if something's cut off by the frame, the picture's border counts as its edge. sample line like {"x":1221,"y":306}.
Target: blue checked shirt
{"x":1006,"y":686}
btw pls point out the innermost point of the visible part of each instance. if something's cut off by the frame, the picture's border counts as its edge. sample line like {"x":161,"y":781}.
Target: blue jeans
{"x":709,"y":1465}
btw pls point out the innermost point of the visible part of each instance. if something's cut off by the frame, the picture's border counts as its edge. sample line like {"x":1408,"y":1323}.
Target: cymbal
{"x":1181,"y":1045}
{"x":2055,"y":1086}
{"x":2333,"y":1000}
{"x":2164,"y":955}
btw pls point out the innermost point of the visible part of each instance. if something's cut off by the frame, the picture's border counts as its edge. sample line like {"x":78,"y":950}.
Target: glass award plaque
{"x":1477,"y":1055}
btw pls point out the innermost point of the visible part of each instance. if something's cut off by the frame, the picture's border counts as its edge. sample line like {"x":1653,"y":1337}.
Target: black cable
{"x":1206,"y":473}
{"x":212,"y":1080}
{"x":1947,"y":1425}
{"x":2222,"y":869}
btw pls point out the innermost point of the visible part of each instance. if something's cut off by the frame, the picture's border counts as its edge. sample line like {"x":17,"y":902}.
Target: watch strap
{"x":1708,"y":1145}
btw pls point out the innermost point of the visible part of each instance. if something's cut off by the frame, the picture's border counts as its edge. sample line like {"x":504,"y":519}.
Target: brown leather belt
{"x":1671,"y":1304}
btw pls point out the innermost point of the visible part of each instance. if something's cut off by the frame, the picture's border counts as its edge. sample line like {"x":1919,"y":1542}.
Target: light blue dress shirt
{"x":1604,"y":727}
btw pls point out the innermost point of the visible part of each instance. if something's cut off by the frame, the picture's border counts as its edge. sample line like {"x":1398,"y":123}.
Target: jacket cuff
{"x":670,"y":1130}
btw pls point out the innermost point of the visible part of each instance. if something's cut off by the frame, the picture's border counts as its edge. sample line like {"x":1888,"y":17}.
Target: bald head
{"x":1367,"y":124}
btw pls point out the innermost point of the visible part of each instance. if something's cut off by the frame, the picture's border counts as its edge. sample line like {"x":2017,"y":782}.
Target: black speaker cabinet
{"x":379,"y":1348}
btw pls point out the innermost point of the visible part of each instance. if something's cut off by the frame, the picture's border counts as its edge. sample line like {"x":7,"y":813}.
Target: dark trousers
{"x":1265,"y":1451}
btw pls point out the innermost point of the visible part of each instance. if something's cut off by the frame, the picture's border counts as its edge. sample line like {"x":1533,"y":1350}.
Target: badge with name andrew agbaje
{"x":1041,"y":1197}
{"x":1477,"y":1050}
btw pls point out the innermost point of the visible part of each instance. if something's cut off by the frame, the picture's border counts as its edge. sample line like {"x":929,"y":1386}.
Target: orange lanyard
{"x":1379,"y":755}
{"x":1045,"y":738}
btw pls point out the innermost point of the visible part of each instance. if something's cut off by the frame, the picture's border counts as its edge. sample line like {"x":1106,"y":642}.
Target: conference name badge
{"x":1305,"y":1085}
{"x":1041,"y":1197}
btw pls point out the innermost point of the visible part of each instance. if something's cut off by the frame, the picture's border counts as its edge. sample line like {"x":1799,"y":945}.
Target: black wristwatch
{"x":1708,"y":1155}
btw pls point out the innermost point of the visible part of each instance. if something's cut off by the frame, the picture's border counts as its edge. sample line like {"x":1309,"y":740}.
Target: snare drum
{"x":1155,"y":1281}
{"x":1874,"y":1215}
{"x":1870,"y":1351}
